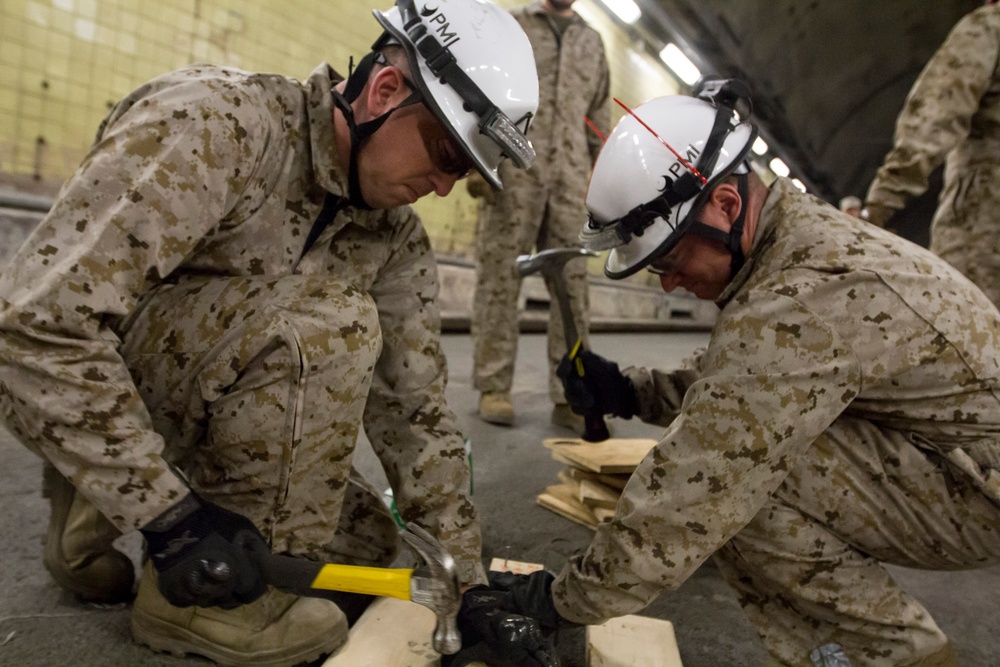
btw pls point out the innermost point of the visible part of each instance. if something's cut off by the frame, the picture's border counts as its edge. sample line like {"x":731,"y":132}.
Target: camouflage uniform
{"x":953,"y":112}
{"x":845,"y":412}
{"x":542,"y":207}
{"x":164,"y":319}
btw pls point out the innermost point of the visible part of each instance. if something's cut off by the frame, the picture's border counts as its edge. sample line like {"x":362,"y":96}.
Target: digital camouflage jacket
{"x":215,"y":171}
{"x":830,"y":316}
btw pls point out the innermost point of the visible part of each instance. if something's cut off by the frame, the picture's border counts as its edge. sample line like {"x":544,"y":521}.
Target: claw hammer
{"x":550,"y":264}
{"x":433,"y":584}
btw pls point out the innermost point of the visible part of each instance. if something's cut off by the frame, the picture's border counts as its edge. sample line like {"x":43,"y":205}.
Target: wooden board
{"x":571,"y":484}
{"x":515,"y":566}
{"x":390,"y":632}
{"x":615,"y":455}
{"x":596,"y":495}
{"x":556,"y":456}
{"x":614,"y":481}
{"x":561,"y":500}
{"x":628,"y":641}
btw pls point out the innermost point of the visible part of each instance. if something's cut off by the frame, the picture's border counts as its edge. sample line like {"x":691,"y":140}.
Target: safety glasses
{"x":446,"y":155}
{"x":666,"y":264}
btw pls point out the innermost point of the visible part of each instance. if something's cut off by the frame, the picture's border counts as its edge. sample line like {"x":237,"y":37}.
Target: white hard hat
{"x":641,"y":192}
{"x":476,"y":71}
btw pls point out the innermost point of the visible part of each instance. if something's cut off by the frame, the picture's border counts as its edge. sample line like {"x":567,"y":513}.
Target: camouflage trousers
{"x":963,"y":231}
{"x":807,"y":569}
{"x":522,"y":217}
{"x":258,"y":387}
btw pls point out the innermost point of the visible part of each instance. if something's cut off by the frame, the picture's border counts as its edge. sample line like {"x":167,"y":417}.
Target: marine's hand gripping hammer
{"x":433,"y":584}
{"x":550,"y":264}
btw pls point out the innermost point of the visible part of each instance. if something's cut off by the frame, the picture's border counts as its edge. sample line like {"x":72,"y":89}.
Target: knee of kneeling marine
{"x":332,"y":318}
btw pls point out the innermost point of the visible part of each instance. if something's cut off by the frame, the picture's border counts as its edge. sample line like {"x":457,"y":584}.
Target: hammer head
{"x":434,"y":584}
{"x":549,"y":261}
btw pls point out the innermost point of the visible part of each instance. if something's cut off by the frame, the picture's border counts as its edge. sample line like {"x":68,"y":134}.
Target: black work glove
{"x":601,"y":387}
{"x":530,"y":595}
{"x":203,"y":555}
{"x":494,"y":633}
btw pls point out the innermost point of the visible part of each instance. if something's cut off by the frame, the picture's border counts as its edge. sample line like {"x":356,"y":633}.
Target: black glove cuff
{"x":479,"y":605}
{"x":531,"y":595}
{"x":174,"y":515}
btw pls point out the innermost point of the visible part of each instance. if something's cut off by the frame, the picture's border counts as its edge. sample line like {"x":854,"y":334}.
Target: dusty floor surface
{"x":40,"y":625}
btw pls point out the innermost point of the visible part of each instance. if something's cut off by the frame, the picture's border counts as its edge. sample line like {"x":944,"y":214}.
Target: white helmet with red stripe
{"x":657,"y":166}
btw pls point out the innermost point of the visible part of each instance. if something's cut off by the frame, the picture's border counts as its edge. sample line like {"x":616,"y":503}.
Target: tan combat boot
{"x":78,"y":550}
{"x":276,"y":630}
{"x":495,"y":407}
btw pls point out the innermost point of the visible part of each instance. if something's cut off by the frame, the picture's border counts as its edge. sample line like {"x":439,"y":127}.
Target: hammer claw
{"x":434,"y":584}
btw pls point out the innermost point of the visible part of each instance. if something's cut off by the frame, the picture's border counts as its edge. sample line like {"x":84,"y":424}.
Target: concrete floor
{"x":41,"y":625}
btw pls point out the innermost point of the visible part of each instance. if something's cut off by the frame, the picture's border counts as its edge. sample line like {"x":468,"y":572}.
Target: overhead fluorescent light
{"x":680,"y":64}
{"x":779,"y":167}
{"x":799,"y":184}
{"x":626,"y":10}
{"x":759,"y":146}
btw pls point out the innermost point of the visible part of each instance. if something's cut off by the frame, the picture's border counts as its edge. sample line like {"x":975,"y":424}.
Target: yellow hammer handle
{"x":384,"y":582}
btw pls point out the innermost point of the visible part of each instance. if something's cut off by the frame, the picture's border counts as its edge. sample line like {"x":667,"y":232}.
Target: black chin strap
{"x":356,"y":81}
{"x":734,"y":237}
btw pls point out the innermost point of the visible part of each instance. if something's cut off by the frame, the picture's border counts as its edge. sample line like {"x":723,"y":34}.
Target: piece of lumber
{"x":559,"y":499}
{"x":603,"y":514}
{"x":628,"y":641}
{"x":556,"y":456}
{"x":576,"y":472}
{"x":571,"y":483}
{"x":515,"y":566}
{"x":615,"y":455}
{"x":596,"y":495}
{"x":390,"y":632}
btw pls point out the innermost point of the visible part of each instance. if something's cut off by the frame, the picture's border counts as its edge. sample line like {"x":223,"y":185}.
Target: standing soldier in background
{"x":952,"y":115}
{"x":542,"y":207}
{"x":230,"y":285}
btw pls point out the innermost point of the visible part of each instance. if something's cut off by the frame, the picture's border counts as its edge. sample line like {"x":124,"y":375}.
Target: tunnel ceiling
{"x":829,"y":76}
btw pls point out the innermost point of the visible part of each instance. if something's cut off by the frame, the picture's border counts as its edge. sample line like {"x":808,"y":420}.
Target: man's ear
{"x":386,"y":89}
{"x":727,"y":197}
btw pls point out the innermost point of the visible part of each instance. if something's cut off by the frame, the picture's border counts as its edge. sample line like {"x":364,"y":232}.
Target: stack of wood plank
{"x":397,"y":633}
{"x":594,"y":476}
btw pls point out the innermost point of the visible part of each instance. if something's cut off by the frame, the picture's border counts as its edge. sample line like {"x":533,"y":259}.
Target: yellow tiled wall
{"x":64,"y":62}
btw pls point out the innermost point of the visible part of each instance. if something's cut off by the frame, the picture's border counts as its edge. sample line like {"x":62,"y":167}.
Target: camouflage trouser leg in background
{"x":985,"y":273}
{"x":807,"y":568}
{"x":963,"y":231}
{"x":980,"y":266}
{"x":258,"y":387}
{"x":522,"y":218}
